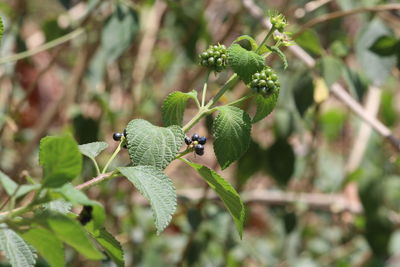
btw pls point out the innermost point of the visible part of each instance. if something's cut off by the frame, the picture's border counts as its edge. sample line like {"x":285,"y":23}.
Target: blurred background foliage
{"x":321,"y":188}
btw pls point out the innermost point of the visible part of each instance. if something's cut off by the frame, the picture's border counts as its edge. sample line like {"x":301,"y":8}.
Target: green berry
{"x":214,"y":57}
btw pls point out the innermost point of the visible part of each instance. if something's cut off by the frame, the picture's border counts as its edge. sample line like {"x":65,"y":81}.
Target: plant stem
{"x":44,"y":47}
{"x":240,"y":100}
{"x":113,"y":156}
{"x":271,"y":31}
{"x":96,"y":180}
{"x":203,"y":97}
{"x":96,"y":166}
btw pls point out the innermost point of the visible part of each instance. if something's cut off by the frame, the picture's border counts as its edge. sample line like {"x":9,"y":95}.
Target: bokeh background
{"x":322,"y":185}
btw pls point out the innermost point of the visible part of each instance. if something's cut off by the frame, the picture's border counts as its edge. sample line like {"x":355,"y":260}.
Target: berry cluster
{"x":197,"y":142}
{"x":265,"y":82}
{"x":278,"y":21}
{"x":117,"y":137}
{"x":214,"y":57}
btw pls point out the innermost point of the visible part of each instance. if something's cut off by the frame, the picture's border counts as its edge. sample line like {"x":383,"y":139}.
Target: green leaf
{"x":309,"y":40}
{"x":231,"y":130}
{"x":152,"y":145}
{"x":157,"y":188}
{"x":92,"y":150}
{"x":281,"y":161}
{"x":375,"y":67}
{"x":48,"y":246}
{"x":174,"y":106}
{"x":265,"y":105}
{"x":15,"y":248}
{"x":61,"y":160}
{"x":1,"y":28}
{"x":303,"y":92}
{"x":385,"y":45}
{"x":247,"y":42}
{"x":111,"y":246}
{"x":119,"y":31}
{"x":71,"y":232}
{"x":244,"y":63}
{"x":280,"y":54}
{"x":10,"y":186}
{"x":331,"y":69}
{"x":225,"y":191}
{"x":249,"y":164}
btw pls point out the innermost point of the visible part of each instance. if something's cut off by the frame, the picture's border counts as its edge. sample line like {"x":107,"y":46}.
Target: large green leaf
{"x":111,"y":246}
{"x":71,"y":232}
{"x":243,"y":62}
{"x":119,"y":31}
{"x":152,"y":145}
{"x":49,"y":247}
{"x":265,"y":105}
{"x":16,"y":250}
{"x":61,"y":160}
{"x":174,"y":107}
{"x":92,"y":150}
{"x":225,"y":191}
{"x":157,"y":188}
{"x":231,"y":130}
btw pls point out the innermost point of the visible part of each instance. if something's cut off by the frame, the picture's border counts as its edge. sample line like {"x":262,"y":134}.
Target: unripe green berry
{"x":211,"y":60}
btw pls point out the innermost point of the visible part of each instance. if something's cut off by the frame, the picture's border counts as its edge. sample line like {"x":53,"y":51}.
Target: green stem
{"x":271,"y":31}
{"x":238,"y":101}
{"x":113,"y":156}
{"x":203,"y":97}
{"x":96,"y":166}
{"x":44,"y":47}
{"x":187,"y":151}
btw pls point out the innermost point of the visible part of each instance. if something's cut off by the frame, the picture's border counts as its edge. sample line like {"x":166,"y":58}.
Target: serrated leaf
{"x":92,"y":150}
{"x":174,"y":106}
{"x":152,"y":145}
{"x":61,"y":160}
{"x":225,"y":191}
{"x":111,"y":246}
{"x":71,"y":232}
{"x":244,"y":63}
{"x":265,"y":105}
{"x":247,"y":42}
{"x":231,"y":130}
{"x":385,"y":45}
{"x":157,"y":188}
{"x":280,"y":54}
{"x":119,"y":31}
{"x":48,"y":246}
{"x":17,"y":251}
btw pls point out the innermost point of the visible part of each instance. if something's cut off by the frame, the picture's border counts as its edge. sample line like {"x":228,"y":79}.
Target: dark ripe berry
{"x":125,"y":133}
{"x":199,"y":149}
{"x":202,"y":140}
{"x":195,"y":137}
{"x":188,"y":141}
{"x":117,"y":136}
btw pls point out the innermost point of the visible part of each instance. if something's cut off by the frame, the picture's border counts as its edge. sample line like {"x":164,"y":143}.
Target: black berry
{"x":214,"y":57}
{"x":199,"y":149}
{"x":188,"y":141}
{"x":195,"y":137}
{"x":117,"y":136}
{"x":125,"y":133}
{"x":202,"y":140}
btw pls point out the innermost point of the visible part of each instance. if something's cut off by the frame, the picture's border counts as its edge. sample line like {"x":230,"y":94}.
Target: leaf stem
{"x":203,"y":97}
{"x":271,"y":31}
{"x":96,"y":165}
{"x":238,"y":101}
{"x":44,"y":47}
{"x":96,"y":180}
{"x":113,"y":155}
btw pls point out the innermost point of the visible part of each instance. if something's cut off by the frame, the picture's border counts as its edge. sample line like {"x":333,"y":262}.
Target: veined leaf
{"x":61,"y":160}
{"x":49,"y":247}
{"x":16,"y":250}
{"x":157,"y":188}
{"x":243,"y":62}
{"x":174,"y":107}
{"x":247,"y":42}
{"x":152,"y":145}
{"x":265,"y":105}
{"x":92,"y":150}
{"x":71,"y":232}
{"x":280,"y":54}
{"x":231,"y":130}
{"x":225,"y":191}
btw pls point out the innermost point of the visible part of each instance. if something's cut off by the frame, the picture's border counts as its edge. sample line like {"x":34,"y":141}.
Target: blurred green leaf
{"x":174,"y":106}
{"x":152,"y":145}
{"x":15,"y":248}
{"x":8,"y":185}
{"x":244,"y":63}
{"x":309,"y":40}
{"x":265,"y":105}
{"x":157,"y":188}
{"x":247,"y":42}
{"x":61,"y":160}
{"x":283,"y":123}
{"x":52,"y":30}
{"x":86,"y":129}
{"x":281,"y":161}
{"x":48,"y":246}
{"x":385,"y":46}
{"x":303,"y":92}
{"x":357,"y":84}
{"x":119,"y":31}
{"x":331,"y":69}
{"x":92,"y":150}
{"x":387,"y":108}
{"x":225,"y":191}
{"x":1,"y":28}
{"x":249,"y":163}
{"x":231,"y":130}
{"x":332,"y":122}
